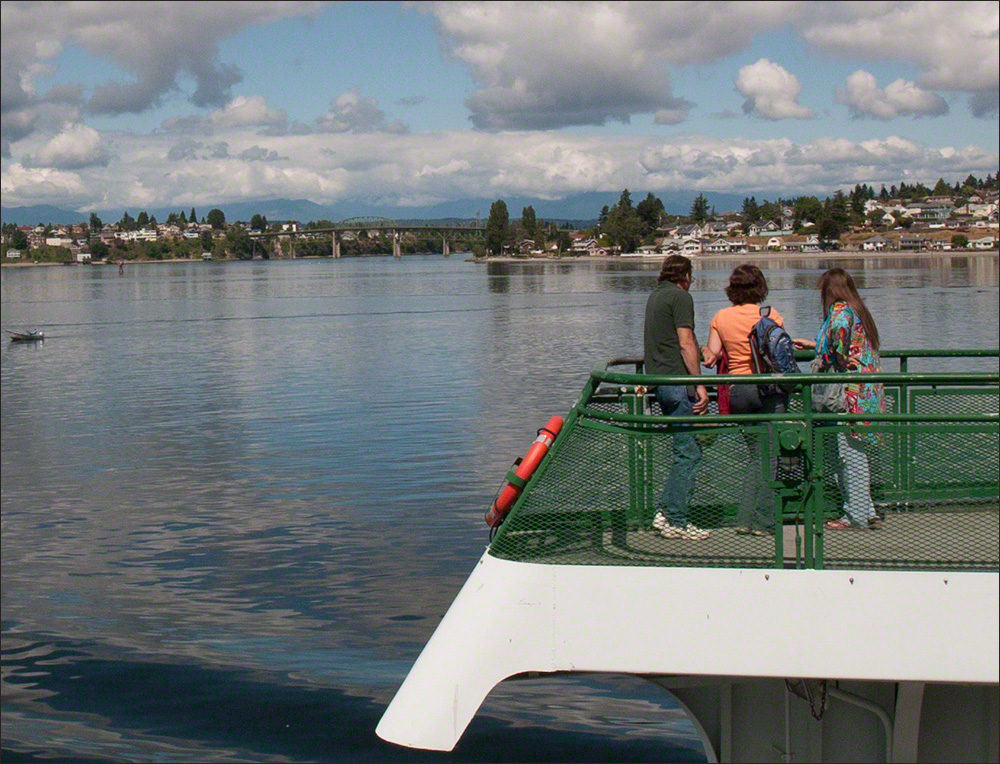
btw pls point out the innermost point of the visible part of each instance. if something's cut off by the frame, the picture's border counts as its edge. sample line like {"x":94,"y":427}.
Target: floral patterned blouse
{"x":842,"y":345}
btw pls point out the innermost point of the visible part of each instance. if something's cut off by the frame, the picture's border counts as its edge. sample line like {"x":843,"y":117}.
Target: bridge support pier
{"x":445,"y":249}
{"x":335,"y":245}
{"x":396,"y":249}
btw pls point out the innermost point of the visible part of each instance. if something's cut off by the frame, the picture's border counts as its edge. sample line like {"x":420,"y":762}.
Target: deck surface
{"x":963,"y":538}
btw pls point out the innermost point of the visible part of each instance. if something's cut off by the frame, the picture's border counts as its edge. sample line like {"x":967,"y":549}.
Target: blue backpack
{"x":771,"y":352}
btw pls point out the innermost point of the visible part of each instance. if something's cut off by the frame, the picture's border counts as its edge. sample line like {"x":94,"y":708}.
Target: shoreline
{"x":750,"y":257}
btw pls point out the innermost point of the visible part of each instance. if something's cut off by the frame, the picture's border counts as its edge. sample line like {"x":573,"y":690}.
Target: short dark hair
{"x":675,"y":269}
{"x":746,"y":285}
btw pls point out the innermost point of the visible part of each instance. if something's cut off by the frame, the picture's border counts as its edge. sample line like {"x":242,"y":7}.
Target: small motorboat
{"x":30,"y":336}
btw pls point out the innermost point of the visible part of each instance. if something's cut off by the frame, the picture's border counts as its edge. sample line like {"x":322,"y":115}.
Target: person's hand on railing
{"x":700,"y":400}
{"x":801,"y":344}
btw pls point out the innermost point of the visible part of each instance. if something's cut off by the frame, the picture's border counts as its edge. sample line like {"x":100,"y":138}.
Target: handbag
{"x":828,"y":397}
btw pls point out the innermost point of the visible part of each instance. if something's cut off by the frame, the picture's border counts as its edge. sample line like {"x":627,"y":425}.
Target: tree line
{"x":628,"y":226}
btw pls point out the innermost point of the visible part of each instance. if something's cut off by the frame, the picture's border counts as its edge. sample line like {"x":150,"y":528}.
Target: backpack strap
{"x":765,"y":311}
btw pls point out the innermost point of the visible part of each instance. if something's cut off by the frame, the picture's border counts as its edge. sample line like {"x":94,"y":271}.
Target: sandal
{"x":839,"y":525}
{"x":875,"y":523}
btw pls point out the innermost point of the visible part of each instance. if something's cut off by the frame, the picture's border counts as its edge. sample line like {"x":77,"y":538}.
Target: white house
{"x":987,"y":242}
{"x":13,"y":254}
{"x":875,"y":244}
{"x":83,"y":257}
{"x":774,"y":242}
{"x":691,"y":247}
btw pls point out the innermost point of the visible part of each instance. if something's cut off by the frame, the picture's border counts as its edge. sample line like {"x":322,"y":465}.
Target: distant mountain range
{"x":582,"y":209}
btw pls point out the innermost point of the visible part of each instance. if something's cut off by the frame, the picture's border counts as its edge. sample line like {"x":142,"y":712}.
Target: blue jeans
{"x":674,"y":401}
{"x":854,"y":480}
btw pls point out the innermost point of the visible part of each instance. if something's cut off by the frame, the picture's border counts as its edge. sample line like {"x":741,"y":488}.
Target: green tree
{"x":258,"y":222}
{"x":699,"y":209}
{"x":565,"y":242}
{"x":751,"y":212}
{"x":941,"y":188}
{"x":182,"y":220}
{"x":95,"y":223}
{"x":829,"y":230}
{"x":18,"y":239}
{"x":497,"y":227}
{"x":238,"y":242}
{"x":217,"y":219}
{"x":192,"y":218}
{"x":806,"y":209}
{"x":603,"y":217}
{"x":206,"y":241}
{"x":127,"y":223}
{"x":528,"y":221}
{"x":624,"y":226}
{"x":650,"y":210}
{"x":959,"y":241}
{"x":98,"y":249}
{"x":142,"y":220}
{"x":625,"y":200}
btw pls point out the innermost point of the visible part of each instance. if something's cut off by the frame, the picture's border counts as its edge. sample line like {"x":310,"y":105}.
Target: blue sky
{"x":159,"y":104}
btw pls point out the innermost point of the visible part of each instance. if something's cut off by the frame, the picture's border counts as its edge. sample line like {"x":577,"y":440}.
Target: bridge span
{"x":372,"y":223}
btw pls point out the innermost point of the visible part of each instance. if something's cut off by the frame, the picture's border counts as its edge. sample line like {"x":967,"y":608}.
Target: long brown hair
{"x":836,"y":285}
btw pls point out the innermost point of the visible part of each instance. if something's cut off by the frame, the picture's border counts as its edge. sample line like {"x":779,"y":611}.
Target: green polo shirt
{"x":668,"y":308}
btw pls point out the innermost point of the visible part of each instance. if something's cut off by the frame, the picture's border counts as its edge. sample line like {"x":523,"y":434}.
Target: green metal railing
{"x":933,"y":457}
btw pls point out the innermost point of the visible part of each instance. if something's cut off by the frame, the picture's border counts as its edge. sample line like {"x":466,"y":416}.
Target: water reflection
{"x":275,"y":474}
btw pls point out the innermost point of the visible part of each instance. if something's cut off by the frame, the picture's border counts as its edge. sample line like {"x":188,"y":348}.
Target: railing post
{"x":904,"y":432}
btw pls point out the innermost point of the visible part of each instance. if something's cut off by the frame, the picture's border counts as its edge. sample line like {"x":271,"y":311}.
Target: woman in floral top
{"x":848,"y":342}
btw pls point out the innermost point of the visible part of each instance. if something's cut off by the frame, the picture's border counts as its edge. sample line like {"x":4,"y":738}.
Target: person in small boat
{"x":730,"y":331}
{"x":670,"y":347}
{"x":848,"y":341}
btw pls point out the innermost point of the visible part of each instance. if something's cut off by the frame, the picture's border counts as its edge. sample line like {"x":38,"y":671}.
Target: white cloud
{"x":771,"y":91}
{"x":956,"y":45}
{"x":351,"y":113}
{"x":864,"y":98}
{"x":607,"y":63}
{"x":151,"y":42}
{"x":329,"y":167}
{"x":42,"y":185}
{"x":75,"y":147}
{"x":244,"y":112}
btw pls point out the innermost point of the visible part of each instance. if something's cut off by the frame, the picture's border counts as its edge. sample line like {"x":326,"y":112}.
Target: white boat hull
{"x":715,"y":628}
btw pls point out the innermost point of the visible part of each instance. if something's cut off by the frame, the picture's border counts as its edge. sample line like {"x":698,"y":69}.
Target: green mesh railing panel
{"x":933,"y":482}
{"x":596,"y":501}
{"x":951,"y":525}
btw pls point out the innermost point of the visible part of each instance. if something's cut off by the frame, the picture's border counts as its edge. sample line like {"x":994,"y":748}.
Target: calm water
{"x":238,"y":497}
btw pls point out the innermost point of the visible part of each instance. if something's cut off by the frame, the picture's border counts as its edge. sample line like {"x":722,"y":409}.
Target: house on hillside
{"x":691,"y":247}
{"x":691,"y":231}
{"x":913,"y":241}
{"x":987,"y":242}
{"x":715,"y":246}
{"x":875,"y":244}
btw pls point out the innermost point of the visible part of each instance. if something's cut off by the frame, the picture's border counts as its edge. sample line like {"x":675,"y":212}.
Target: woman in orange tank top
{"x":730,"y":330}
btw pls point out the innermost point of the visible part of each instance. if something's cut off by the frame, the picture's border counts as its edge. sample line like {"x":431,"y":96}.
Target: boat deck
{"x":964,"y":538}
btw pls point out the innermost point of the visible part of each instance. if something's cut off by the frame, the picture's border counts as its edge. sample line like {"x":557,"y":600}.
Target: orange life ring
{"x":516,"y":480}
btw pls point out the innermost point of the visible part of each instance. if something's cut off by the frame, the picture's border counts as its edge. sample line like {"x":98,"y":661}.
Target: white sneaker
{"x":689,"y":532}
{"x":659,"y":522}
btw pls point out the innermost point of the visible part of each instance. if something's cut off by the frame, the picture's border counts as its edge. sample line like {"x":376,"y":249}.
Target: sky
{"x":161,"y":104}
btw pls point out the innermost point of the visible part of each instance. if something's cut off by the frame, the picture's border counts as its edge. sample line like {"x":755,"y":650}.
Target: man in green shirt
{"x":670,"y":347}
